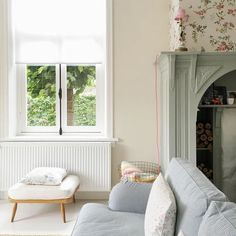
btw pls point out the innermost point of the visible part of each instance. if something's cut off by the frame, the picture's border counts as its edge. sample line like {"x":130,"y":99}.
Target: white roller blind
{"x":59,"y":31}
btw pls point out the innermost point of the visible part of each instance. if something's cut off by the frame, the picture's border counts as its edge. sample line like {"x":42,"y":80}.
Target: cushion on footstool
{"x":67,"y":188}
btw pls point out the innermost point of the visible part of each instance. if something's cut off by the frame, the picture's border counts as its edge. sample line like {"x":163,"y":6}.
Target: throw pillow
{"x":161,"y":210}
{"x":130,"y":197}
{"x":45,"y":176}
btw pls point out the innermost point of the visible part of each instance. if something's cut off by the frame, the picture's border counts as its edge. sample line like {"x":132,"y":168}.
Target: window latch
{"x":60,"y":93}
{"x":60,"y":97}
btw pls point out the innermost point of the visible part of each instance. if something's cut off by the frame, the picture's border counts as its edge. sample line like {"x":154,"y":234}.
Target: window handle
{"x":60,"y":97}
{"x":60,"y":131}
{"x":60,"y":93}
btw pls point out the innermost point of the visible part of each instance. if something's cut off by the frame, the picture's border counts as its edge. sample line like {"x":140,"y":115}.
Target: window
{"x":60,"y":98}
{"x":61,"y":56}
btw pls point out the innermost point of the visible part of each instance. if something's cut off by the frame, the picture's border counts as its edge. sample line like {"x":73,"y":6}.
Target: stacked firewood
{"x":204,"y":135}
{"x":207,"y":171}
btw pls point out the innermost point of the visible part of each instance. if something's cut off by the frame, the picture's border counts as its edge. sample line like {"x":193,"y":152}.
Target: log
{"x":203,"y":137}
{"x":208,"y":132}
{"x":200,"y":131}
{"x":208,"y":175}
{"x":210,"y":138}
{"x":200,"y":125}
{"x":208,"y":126}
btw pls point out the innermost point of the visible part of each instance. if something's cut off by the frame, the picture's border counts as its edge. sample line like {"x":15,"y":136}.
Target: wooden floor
{"x":38,"y":219}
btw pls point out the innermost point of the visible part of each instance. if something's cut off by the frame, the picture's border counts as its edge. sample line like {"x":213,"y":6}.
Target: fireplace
{"x":183,"y":79}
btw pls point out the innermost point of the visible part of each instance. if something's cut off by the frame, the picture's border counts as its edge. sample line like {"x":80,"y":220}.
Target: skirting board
{"x":79,"y":195}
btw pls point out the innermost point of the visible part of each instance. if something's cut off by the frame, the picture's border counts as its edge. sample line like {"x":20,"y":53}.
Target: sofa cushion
{"x":98,"y":220}
{"x":219,"y":220}
{"x":193,"y":193}
{"x":130,"y":197}
{"x":161,"y":210}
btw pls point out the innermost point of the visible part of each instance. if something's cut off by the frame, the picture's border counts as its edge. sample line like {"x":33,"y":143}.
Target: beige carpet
{"x":38,"y":219}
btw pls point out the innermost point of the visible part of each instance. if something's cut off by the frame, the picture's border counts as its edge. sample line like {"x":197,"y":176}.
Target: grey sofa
{"x":201,"y":208}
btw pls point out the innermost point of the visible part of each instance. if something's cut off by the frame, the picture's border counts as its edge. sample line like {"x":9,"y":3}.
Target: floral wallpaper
{"x":211,"y":25}
{"x":173,"y":26}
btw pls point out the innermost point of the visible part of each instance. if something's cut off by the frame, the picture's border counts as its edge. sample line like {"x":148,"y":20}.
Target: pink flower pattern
{"x":211,"y":23}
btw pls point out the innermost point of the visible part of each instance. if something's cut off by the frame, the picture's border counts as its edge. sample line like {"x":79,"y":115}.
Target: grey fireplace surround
{"x":182,"y":80}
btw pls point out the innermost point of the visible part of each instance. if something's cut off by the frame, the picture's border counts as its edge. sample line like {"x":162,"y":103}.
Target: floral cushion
{"x":45,"y":176}
{"x":161,"y":210}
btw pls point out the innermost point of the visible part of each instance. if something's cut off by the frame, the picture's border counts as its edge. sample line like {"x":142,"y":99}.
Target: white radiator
{"x":91,"y":161}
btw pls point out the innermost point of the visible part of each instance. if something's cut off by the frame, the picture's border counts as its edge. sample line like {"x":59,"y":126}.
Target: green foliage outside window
{"x":85,"y":111}
{"x":41,"y":95}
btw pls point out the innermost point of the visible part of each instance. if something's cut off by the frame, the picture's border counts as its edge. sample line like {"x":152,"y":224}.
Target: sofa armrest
{"x":129,"y":197}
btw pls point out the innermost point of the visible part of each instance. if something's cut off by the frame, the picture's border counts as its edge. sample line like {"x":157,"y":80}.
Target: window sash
{"x":100,"y":104}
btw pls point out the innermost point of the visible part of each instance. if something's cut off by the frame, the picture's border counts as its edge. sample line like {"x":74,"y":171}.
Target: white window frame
{"x":100,"y":103}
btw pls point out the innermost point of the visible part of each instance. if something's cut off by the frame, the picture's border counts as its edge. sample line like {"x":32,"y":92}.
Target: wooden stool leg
{"x":74,"y":198}
{"x":63,"y":212}
{"x":14,"y":212}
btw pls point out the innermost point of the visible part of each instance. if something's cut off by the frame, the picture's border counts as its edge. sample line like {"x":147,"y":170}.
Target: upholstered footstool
{"x":60,"y":194}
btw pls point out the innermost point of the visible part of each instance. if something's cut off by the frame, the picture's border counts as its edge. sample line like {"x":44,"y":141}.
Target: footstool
{"x":60,"y":194}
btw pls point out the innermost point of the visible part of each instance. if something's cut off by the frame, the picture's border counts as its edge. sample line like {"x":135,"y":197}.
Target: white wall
{"x":141,"y":31}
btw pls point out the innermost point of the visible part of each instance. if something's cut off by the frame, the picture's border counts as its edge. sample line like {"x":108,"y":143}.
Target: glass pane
{"x":81,"y":95}
{"x":41,"y":95}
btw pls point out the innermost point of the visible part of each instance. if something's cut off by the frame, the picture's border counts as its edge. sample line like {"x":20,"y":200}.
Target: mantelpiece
{"x":183,"y":79}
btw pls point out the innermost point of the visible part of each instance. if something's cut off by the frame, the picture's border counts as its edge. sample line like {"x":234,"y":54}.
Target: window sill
{"x":58,"y":139}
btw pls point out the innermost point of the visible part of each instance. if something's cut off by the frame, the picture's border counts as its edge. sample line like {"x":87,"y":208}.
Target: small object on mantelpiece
{"x":181,"y":17}
{"x":181,"y":48}
{"x":230,"y":101}
{"x":203,"y":49}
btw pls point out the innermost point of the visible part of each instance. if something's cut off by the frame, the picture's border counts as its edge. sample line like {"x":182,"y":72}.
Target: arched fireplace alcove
{"x":183,"y":79}
{"x":216,"y":134}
